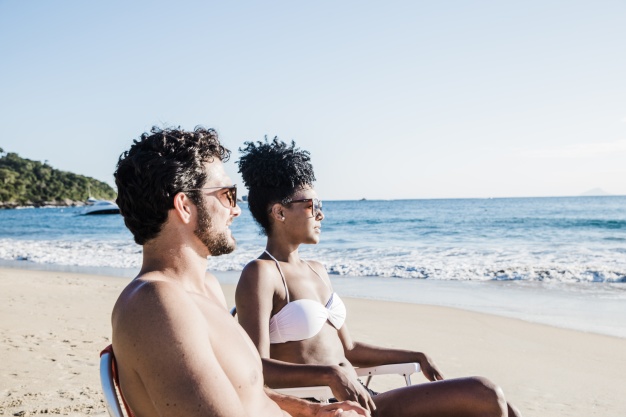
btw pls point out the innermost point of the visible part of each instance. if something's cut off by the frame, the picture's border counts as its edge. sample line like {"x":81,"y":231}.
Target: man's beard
{"x":216,"y":243}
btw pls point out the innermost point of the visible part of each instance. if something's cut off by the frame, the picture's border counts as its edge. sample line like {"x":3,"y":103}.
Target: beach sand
{"x":54,"y":324}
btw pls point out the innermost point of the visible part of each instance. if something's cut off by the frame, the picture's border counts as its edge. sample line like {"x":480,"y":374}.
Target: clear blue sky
{"x":394,"y":99}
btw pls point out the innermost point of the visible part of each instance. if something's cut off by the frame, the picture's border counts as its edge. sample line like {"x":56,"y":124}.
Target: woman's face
{"x":303,"y":215}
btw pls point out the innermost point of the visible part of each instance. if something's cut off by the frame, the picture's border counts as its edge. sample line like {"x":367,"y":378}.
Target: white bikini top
{"x":303,"y":319}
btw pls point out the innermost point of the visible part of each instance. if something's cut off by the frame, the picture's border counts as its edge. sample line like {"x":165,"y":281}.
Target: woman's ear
{"x":182,"y":207}
{"x":278,"y":212}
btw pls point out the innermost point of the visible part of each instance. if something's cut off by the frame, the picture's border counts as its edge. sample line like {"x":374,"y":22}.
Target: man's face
{"x":215,"y":214}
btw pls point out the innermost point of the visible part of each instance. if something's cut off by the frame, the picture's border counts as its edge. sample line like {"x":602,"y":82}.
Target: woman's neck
{"x":282,"y":252}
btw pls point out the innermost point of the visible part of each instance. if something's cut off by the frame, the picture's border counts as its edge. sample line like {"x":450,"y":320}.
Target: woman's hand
{"x":345,"y":386}
{"x":343,"y":409}
{"x":429,"y":369}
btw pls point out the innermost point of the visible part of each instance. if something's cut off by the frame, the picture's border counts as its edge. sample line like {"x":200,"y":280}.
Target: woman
{"x":297,"y":322}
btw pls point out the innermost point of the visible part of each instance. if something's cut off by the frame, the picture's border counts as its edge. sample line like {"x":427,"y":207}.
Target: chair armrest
{"x":323,"y":393}
{"x":403,"y":369}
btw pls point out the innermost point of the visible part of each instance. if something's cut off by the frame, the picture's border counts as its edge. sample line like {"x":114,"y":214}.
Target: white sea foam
{"x":466,"y":264}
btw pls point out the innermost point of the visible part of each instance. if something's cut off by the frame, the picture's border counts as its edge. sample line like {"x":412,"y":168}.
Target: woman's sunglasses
{"x":316,"y":208}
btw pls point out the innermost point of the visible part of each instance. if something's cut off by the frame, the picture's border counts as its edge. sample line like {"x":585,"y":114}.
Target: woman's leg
{"x":475,"y":396}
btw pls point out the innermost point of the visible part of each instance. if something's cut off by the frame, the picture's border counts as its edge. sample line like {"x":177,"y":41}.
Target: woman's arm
{"x":363,"y":354}
{"x":342,"y":383}
{"x":254,"y":298}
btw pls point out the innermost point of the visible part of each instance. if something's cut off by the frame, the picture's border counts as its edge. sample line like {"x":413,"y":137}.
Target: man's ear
{"x":183,"y":207}
{"x":278,"y":212}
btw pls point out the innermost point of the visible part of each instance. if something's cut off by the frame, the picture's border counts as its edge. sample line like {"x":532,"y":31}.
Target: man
{"x":178,"y":350}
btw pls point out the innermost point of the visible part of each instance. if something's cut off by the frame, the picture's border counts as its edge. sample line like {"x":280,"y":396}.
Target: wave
{"x":386,"y":221}
{"x":541,"y":223}
{"x":467,"y":273}
{"x":451,"y":263}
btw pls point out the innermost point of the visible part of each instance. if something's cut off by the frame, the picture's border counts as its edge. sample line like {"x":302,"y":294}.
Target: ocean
{"x":506,"y":253}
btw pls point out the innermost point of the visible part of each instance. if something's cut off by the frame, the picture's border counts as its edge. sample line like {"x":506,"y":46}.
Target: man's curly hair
{"x":272,"y":171}
{"x":160,"y":164}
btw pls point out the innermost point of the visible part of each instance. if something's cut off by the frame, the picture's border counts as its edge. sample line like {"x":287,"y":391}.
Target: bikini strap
{"x":281,"y":273}
{"x":315,"y":272}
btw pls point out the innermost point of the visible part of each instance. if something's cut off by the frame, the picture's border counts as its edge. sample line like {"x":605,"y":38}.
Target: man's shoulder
{"x":150,"y":291}
{"x":147,"y":302}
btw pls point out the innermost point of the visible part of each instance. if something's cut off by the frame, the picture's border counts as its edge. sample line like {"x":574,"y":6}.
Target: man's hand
{"x":346,"y":387}
{"x":343,"y":409}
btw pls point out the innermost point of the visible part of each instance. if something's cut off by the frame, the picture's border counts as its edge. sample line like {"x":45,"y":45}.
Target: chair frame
{"x":323,"y":393}
{"x":109,"y":389}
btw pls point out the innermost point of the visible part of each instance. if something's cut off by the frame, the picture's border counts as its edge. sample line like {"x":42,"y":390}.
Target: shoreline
{"x":41,"y":204}
{"x":586,"y":307}
{"x":54,"y":324}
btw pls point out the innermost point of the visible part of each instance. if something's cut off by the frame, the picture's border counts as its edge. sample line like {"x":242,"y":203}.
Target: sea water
{"x":572,"y":249}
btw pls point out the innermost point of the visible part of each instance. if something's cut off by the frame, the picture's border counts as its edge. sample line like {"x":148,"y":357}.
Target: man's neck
{"x":176,"y":262}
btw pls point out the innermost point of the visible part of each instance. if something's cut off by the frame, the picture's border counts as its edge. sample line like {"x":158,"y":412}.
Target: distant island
{"x":31,"y":183}
{"x":595,"y":192}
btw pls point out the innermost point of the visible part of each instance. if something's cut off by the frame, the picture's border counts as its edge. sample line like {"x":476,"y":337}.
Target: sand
{"x":53,"y":325}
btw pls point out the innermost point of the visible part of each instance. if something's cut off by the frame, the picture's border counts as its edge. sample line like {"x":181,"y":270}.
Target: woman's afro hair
{"x":272,"y":171}
{"x":275,"y":165}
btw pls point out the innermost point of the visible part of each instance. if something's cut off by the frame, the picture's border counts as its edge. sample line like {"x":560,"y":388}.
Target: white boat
{"x":101,"y":207}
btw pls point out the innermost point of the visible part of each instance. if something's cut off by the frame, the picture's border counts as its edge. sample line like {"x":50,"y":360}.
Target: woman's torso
{"x":307,"y":283}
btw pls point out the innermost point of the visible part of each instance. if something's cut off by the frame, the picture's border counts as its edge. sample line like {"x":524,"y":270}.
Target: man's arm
{"x":341,"y":381}
{"x":163,"y":338}
{"x":300,"y":408}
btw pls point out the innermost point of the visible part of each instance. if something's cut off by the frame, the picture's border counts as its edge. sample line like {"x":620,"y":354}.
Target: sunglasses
{"x":228,"y":199}
{"x":316,"y":209}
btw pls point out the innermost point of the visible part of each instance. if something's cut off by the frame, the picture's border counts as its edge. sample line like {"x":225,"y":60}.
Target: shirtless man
{"x":178,"y":350}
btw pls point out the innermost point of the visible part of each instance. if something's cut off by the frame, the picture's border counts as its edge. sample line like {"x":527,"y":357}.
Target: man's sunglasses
{"x":228,"y":199}
{"x":316,"y":208}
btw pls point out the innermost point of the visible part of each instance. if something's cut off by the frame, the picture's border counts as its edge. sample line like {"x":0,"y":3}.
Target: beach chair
{"x":323,"y":393}
{"x":110,"y":383}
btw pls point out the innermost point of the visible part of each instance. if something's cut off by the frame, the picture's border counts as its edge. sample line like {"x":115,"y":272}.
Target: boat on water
{"x":100,"y":207}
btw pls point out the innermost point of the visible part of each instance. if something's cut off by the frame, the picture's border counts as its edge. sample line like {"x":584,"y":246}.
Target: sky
{"x":393,"y":99}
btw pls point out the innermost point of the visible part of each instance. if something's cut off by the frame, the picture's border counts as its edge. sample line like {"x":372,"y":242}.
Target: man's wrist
{"x":313,"y":408}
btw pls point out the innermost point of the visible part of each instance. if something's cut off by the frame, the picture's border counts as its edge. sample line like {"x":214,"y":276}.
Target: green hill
{"x":24,"y":182}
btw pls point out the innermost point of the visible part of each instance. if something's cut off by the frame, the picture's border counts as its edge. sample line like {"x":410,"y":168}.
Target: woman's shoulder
{"x":318,"y":266}
{"x":259,"y":272}
{"x":259,"y":266}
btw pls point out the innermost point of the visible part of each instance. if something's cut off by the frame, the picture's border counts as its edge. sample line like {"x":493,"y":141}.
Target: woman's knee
{"x":489,"y":395}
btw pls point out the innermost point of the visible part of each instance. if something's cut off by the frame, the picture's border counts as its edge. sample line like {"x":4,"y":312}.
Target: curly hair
{"x":160,"y":164}
{"x":272,"y":172}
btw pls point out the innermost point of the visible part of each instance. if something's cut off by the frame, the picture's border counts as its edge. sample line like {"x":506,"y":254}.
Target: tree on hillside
{"x":23,"y":181}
